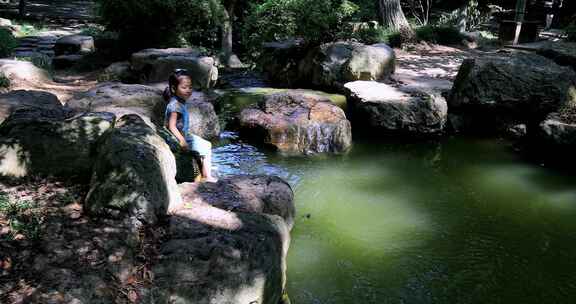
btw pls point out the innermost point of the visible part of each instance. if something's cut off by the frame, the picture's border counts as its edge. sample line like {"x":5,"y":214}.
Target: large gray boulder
{"x":295,"y":122}
{"x":22,"y":72}
{"x":13,"y":100}
{"x":121,"y":99}
{"x":203,"y":119}
{"x":155,"y":65}
{"x":74,"y":44}
{"x":280,"y":61}
{"x":330,"y":66}
{"x":134,"y":174}
{"x":228,"y":244}
{"x":491,"y":93}
{"x":385,"y":109}
{"x":50,"y":142}
{"x":118,"y":71}
{"x":561,"y":52}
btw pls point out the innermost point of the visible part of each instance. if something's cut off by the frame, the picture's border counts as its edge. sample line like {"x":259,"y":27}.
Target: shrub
{"x":7,"y":42}
{"x":378,"y":35}
{"x":316,"y":21}
{"x":445,"y":35}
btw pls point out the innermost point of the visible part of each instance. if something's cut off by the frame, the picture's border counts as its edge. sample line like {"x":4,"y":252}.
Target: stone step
{"x":30,"y":39}
{"x":24,"y":49}
{"x":25,"y":54}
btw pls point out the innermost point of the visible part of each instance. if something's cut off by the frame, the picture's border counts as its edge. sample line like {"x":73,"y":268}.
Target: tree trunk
{"x":393,"y":18}
{"x":519,"y":18}
{"x":22,"y":8}
{"x":227,"y":27}
{"x":227,"y":56}
{"x":462,"y":20}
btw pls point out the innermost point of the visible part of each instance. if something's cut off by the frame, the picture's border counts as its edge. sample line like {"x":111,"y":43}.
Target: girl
{"x":176,"y":119}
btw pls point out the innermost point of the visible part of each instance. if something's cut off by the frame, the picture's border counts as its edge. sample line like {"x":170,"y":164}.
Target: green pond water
{"x":456,"y":221}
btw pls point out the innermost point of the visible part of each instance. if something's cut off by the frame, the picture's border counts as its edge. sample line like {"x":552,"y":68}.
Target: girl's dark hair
{"x":173,"y":82}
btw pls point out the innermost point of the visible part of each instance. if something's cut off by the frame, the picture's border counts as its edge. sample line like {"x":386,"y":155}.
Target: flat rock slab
{"x":243,"y":193}
{"x":380,"y":107}
{"x":297,"y":123}
{"x":229,"y":243}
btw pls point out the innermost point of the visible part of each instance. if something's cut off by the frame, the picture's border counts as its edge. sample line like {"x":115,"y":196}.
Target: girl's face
{"x":184,"y":88}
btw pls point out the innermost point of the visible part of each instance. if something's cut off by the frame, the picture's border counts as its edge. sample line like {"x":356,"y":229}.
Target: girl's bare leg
{"x":207,"y":168}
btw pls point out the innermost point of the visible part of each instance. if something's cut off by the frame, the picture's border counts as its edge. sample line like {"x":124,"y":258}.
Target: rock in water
{"x":297,"y":123}
{"x":382,"y":109}
{"x":494,"y":92}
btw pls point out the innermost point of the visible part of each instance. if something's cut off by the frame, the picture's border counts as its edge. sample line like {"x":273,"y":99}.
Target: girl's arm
{"x":172,"y":127}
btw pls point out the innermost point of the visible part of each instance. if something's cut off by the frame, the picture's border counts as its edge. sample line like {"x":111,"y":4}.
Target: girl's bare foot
{"x":211,"y":180}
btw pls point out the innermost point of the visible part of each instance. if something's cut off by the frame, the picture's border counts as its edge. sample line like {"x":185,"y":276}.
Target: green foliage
{"x":21,"y":218}
{"x":378,"y":34}
{"x":7,"y":42}
{"x":4,"y":82}
{"x":445,"y":35}
{"x":476,"y":16}
{"x":29,"y":29}
{"x":571,"y":31}
{"x":316,"y":21}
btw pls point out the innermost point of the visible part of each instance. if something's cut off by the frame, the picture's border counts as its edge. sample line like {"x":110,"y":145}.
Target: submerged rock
{"x":381,"y":108}
{"x":134,"y":174}
{"x":50,"y":142}
{"x":297,"y":123}
{"x":492,"y":93}
{"x":229,"y":243}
